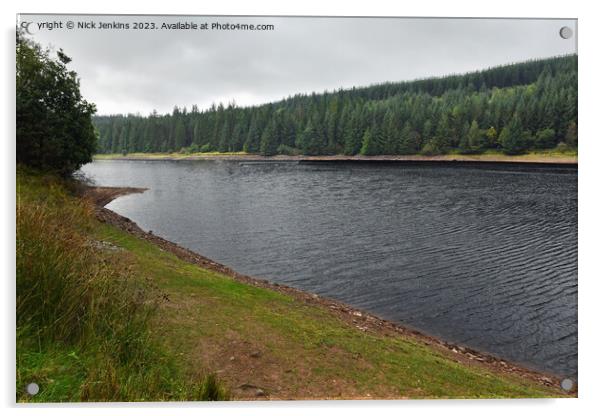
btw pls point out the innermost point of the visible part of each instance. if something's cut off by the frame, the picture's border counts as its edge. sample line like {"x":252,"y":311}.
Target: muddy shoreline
{"x":364,"y":321}
{"x":485,"y":159}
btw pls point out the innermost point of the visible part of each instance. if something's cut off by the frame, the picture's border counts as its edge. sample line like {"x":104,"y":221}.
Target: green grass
{"x":83,"y":316}
{"x":125,"y":342}
{"x":303,"y":336}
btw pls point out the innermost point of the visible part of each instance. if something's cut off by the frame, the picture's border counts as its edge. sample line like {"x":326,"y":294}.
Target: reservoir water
{"x":478,"y":255}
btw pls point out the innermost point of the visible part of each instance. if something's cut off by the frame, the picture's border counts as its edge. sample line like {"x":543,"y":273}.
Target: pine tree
{"x":253,"y":138}
{"x":331,"y":132}
{"x":390,"y":133}
{"x":368,"y":147}
{"x":269,"y":140}
{"x":224,"y":137}
{"x":441,"y":140}
{"x":123,"y":140}
{"x":180,"y":135}
{"x":464,"y":146}
{"x":197,"y":132}
{"x":432,"y":116}
{"x":353,"y":137}
{"x":311,"y":142}
{"x":377,"y":140}
{"x":427,"y":131}
{"x":512,"y":138}
{"x":116,"y":135}
{"x":408,"y":143}
{"x":475,"y":137}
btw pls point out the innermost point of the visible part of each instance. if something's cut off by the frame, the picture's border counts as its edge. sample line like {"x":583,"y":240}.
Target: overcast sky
{"x":131,"y":71}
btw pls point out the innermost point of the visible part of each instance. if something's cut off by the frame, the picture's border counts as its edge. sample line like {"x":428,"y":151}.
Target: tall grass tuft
{"x":210,"y":389}
{"x":85,"y":308}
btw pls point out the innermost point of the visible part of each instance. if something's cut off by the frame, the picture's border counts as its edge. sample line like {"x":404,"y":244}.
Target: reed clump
{"x":83,"y":314}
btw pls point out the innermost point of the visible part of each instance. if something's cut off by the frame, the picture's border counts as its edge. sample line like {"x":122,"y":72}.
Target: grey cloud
{"x":138,"y":71}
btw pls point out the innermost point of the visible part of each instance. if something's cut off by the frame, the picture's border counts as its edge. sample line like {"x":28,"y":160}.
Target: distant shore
{"x":535,"y":157}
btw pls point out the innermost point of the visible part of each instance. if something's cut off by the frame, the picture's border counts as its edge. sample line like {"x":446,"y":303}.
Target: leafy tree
{"x":54,"y":123}
{"x":491,"y":135}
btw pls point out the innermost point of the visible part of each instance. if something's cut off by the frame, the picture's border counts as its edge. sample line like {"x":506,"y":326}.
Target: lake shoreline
{"x":363,"y":321}
{"x":530,"y":158}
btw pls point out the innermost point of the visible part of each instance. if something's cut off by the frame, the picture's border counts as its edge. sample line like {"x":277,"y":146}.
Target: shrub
{"x":545,"y":139}
{"x":288,"y":150}
{"x":432,"y":148}
{"x":206,"y":148}
{"x":562,"y":147}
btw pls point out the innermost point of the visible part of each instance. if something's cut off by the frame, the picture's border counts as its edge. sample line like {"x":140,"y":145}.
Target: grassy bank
{"x":84,"y":317}
{"x":105,"y":315}
{"x":543,"y":156}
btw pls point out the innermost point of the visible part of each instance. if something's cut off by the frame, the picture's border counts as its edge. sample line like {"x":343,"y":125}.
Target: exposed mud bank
{"x":535,"y":159}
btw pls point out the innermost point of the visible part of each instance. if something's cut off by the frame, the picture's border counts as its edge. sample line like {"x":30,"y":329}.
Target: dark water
{"x":479,"y":256}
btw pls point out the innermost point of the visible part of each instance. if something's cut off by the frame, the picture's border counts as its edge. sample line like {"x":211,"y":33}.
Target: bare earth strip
{"x":538,"y":158}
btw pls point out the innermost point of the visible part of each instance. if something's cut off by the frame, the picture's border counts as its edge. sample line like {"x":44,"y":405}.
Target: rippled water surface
{"x":479,"y":256}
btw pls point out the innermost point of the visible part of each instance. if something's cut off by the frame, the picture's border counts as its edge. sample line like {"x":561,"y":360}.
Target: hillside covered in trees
{"x":512,"y":108}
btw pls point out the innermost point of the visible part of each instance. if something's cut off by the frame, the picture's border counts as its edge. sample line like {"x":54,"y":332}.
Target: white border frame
{"x":590,"y":286}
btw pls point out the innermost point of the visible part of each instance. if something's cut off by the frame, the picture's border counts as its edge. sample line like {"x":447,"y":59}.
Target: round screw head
{"x":32,"y":389}
{"x":566,"y":32}
{"x":567,"y":384}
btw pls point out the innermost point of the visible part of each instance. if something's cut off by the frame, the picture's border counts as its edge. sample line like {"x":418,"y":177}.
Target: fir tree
{"x":269,"y":140}
{"x":512,"y":138}
{"x":180,"y":135}
{"x":432,"y":116}
{"x":368,"y":147}
{"x":475,"y":137}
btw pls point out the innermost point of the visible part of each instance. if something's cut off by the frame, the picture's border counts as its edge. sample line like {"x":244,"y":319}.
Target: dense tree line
{"x":530,"y":105}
